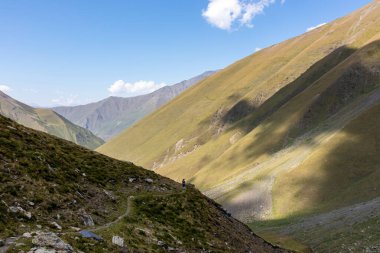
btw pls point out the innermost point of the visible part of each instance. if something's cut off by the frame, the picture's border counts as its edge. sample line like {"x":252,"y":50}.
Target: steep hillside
{"x":51,"y":188}
{"x":47,"y":121}
{"x":271,"y":135}
{"x":112,"y":115}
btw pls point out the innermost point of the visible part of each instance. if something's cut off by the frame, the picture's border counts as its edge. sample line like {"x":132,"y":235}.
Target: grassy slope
{"x":346,"y":167}
{"x":291,"y":120}
{"x":255,"y":79}
{"x":213,"y":94}
{"x":244,"y":154}
{"x":65,"y":181}
{"x":269,"y":115}
{"x":47,"y":121}
{"x":61,"y":127}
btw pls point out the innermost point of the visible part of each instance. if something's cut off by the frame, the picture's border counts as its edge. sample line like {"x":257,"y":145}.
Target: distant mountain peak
{"x":112,"y":115}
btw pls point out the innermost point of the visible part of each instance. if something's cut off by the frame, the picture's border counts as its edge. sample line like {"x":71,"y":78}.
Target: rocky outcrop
{"x":48,"y":242}
{"x":87,"y":219}
{"x":20,"y":210}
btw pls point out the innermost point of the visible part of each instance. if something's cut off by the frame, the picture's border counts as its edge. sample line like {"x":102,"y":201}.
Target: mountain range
{"x":47,"y":121}
{"x":112,"y":115}
{"x":286,"y":138}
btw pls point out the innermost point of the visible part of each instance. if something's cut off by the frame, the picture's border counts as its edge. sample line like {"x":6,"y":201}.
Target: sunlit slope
{"x":239,"y":132}
{"x":205,"y":113}
{"x":47,"y":121}
{"x":290,"y":136}
{"x":351,"y":80}
{"x":288,"y":133}
{"x":194,"y":116}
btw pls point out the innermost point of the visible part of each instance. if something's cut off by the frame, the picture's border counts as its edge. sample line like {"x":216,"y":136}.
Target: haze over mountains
{"x":290,"y":131}
{"x":112,"y":115}
{"x":47,"y":121}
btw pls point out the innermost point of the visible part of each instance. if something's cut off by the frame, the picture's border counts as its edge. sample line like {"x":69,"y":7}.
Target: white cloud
{"x":68,"y":100}
{"x":224,"y":14}
{"x":257,"y":49}
{"x":5,"y":88}
{"x":314,"y":27}
{"x":120,"y":87}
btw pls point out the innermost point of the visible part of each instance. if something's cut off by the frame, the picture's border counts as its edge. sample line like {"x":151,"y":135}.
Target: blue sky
{"x":78,"y":51}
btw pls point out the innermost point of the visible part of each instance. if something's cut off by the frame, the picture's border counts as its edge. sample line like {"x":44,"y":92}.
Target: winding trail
{"x":11,"y":240}
{"x":127,"y":212}
{"x":130,"y":208}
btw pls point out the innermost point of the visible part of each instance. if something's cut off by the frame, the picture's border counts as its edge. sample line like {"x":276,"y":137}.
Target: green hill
{"x":51,"y":188}
{"x":280,"y":134}
{"x":47,"y":121}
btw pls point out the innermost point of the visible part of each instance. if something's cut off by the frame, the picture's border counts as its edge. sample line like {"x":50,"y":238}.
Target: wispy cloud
{"x":224,"y":14}
{"x":5,"y":88}
{"x":66,"y":100}
{"x":314,"y":27}
{"x":141,"y":87}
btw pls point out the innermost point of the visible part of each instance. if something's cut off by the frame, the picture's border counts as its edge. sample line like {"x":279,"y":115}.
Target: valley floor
{"x":349,"y":229}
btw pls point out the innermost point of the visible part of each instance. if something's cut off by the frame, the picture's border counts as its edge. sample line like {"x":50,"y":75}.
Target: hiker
{"x":183,"y":184}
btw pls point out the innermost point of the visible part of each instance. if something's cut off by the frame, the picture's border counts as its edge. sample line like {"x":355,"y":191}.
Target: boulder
{"x":161,"y":243}
{"x":27,"y":235}
{"x":13,"y":209}
{"x":18,"y":209}
{"x":109,"y":195}
{"x":51,"y":240}
{"x":44,"y":250}
{"x":149,"y":180}
{"x":75,"y":229}
{"x":117,"y":240}
{"x":87,"y":220}
{"x":56,"y":225}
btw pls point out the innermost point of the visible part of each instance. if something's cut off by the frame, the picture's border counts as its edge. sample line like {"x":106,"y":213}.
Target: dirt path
{"x":11,"y":240}
{"x":127,"y":212}
{"x":130,"y":209}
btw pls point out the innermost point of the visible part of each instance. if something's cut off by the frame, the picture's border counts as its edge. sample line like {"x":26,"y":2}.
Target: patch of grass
{"x":361,"y":237}
{"x":57,"y":181}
